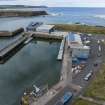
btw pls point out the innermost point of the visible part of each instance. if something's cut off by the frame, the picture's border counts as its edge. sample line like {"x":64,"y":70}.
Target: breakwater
{"x":13,"y":13}
{"x":45,"y":36}
{"x":11,"y":49}
{"x":11,"y":34}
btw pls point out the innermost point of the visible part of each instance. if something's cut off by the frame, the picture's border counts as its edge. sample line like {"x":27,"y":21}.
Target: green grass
{"x":81,"y":28}
{"x":82,"y":102}
{"x":97,"y":87}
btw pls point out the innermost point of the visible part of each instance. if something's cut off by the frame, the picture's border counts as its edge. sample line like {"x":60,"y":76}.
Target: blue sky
{"x":57,"y":3}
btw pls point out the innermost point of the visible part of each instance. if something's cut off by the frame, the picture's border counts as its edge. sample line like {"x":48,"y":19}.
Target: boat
{"x":28,"y":40}
{"x":36,"y":88}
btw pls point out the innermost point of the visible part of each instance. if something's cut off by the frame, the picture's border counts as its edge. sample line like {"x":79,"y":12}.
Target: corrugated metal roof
{"x":45,"y":27}
{"x":59,"y":33}
{"x":74,"y":38}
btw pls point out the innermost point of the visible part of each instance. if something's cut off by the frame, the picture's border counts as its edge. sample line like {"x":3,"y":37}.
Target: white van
{"x":88,"y":76}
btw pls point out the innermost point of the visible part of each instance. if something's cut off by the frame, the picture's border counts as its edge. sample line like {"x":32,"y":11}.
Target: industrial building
{"x":79,"y":51}
{"x":45,"y":28}
{"x":40,"y":27}
{"x":33,"y":25}
{"x":74,"y":39}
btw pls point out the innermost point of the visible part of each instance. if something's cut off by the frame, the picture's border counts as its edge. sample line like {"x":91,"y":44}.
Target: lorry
{"x":65,"y":98}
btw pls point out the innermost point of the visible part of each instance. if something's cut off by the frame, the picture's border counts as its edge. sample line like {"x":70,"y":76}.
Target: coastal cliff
{"x":10,"y":13}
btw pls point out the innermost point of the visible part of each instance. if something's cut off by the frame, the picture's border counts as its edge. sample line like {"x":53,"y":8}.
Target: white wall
{"x":80,"y":53}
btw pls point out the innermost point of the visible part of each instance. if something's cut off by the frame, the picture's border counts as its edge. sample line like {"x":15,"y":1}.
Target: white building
{"x":78,"y":49}
{"x":60,"y":33}
{"x":45,"y":28}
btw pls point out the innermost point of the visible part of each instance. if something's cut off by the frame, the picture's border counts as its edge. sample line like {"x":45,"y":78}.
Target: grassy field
{"x":81,"y":28}
{"x":97,"y":87}
{"x":83,"y":102}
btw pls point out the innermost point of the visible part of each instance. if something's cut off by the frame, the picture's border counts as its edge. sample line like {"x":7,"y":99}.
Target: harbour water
{"x":36,"y":62}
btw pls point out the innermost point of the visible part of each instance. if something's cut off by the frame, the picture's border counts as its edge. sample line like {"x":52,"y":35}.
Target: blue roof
{"x":66,"y":97}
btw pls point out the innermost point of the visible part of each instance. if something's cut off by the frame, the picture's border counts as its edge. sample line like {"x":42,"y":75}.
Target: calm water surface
{"x":33,"y":64}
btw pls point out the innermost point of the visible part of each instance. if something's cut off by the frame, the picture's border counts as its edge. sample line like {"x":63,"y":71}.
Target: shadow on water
{"x":11,"y":53}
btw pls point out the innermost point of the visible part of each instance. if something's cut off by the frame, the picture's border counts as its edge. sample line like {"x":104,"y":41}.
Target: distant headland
{"x":16,"y":13}
{"x":20,"y":6}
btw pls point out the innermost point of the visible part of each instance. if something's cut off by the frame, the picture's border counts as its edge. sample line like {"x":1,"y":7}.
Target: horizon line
{"x":57,"y":6}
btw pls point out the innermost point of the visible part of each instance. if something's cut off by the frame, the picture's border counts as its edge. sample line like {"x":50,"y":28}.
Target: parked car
{"x":87,"y":77}
{"x":95,"y":64}
{"x":99,"y":54}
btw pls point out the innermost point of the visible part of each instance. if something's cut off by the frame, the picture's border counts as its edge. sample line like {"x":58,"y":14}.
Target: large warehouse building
{"x":78,"y":49}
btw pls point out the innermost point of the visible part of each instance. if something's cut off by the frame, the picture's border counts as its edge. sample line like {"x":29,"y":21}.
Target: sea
{"x":61,"y":15}
{"x":36,"y":62}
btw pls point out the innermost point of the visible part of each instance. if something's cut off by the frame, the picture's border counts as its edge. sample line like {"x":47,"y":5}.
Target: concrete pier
{"x":7,"y":34}
{"x":44,"y":35}
{"x":4,"y":52}
{"x":61,"y":50}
